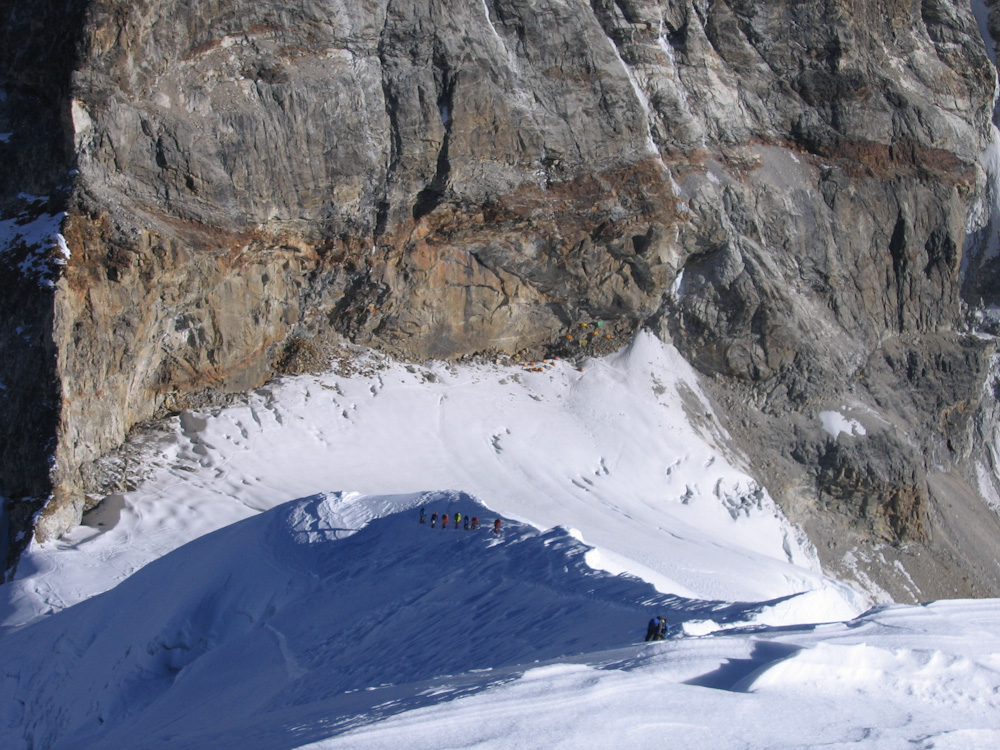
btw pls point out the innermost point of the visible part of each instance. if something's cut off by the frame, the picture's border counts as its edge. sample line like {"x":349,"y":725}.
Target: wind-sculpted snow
{"x":606,"y":449}
{"x":236,"y":617}
{"x":339,"y":619}
{"x":307,"y":605}
{"x":907,"y":677}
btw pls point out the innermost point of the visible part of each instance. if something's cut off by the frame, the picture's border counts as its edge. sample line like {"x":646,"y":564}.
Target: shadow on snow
{"x":291,"y":627}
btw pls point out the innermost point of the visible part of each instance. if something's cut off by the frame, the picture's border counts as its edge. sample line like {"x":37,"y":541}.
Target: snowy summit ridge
{"x":296,"y":627}
{"x":235,"y":616}
{"x":303,"y":611}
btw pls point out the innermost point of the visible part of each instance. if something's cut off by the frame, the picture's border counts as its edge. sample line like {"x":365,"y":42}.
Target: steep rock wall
{"x":36,"y":54}
{"x":783,"y":189}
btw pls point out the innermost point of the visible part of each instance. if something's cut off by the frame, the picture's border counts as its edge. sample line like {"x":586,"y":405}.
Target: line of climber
{"x":460,"y":521}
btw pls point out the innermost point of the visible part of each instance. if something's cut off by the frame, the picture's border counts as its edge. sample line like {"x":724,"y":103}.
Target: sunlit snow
{"x":269,"y":585}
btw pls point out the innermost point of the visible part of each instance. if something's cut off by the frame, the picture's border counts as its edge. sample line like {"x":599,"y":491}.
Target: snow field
{"x":340,"y":621}
{"x":627,"y":452}
{"x":791,"y":688}
{"x":300,"y":606}
{"x":268,"y":585}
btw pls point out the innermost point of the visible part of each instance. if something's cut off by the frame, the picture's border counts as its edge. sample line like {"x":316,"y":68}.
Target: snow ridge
{"x":246,"y":608}
{"x":303,"y":605}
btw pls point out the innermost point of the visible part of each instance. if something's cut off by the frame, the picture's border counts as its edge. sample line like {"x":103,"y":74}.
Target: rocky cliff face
{"x":792,"y":192}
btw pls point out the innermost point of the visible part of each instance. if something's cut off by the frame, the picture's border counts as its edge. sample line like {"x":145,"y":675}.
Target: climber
{"x":657,"y":629}
{"x":663,"y":630}
{"x":651,"y":629}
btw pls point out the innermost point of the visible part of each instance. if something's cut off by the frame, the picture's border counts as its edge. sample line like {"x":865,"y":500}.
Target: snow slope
{"x":299,"y":625}
{"x":268,"y":585}
{"x":901,"y":677}
{"x":295,"y":611}
{"x":625,"y":450}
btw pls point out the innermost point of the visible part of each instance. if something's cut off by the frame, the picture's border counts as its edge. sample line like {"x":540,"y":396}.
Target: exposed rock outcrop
{"x":784,"y":189}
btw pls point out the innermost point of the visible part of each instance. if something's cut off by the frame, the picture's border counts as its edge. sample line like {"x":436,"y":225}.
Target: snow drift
{"x":293,"y":612}
{"x":245,"y":607}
